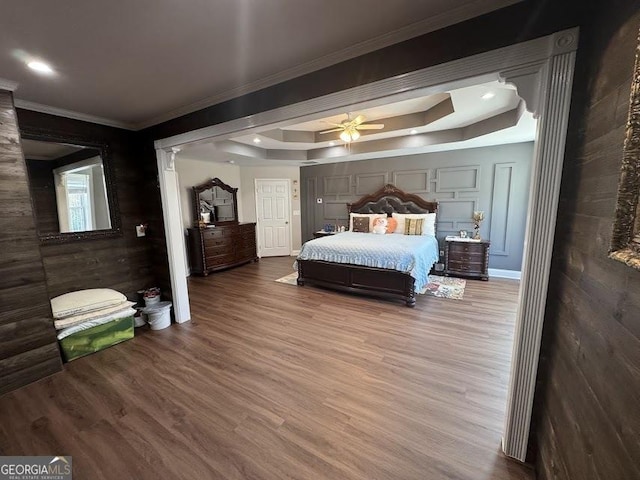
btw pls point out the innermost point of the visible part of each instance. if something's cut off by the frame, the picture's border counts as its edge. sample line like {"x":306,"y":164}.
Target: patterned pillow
{"x":361,"y":224}
{"x":413,"y":226}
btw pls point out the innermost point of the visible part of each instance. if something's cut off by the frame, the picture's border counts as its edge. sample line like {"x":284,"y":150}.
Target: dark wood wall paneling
{"x":123,"y":263}
{"x":587,"y":424}
{"x":28,"y":346}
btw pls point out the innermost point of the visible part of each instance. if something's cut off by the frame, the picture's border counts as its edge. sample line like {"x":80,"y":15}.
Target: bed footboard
{"x":358,"y":279}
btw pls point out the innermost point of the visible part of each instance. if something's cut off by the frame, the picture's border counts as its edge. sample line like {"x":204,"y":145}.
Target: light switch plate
{"x":296,"y":213}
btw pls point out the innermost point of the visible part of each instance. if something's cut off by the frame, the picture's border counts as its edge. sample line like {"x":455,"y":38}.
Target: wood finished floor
{"x":273,"y":381}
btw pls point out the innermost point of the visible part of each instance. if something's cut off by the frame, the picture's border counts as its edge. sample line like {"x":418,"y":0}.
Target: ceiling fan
{"x":349,"y":129}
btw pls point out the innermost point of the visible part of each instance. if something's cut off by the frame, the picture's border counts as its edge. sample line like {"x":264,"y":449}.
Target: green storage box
{"x":96,"y":338}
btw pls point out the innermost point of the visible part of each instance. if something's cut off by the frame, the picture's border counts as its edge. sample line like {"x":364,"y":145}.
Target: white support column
{"x":550,"y":102}
{"x":174,"y":233}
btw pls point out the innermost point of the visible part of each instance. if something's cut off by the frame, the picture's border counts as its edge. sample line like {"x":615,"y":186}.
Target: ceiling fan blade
{"x":332,"y":130}
{"x":371,"y":126}
{"x":358,"y":120}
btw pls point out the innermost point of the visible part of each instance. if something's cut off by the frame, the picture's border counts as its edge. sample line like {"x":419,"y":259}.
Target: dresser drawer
{"x":466,"y":267}
{"x":213,"y":250}
{"x":210,"y":233}
{"x":466,"y":257}
{"x":466,"y":247}
{"x":218,"y":242}
{"x":219,"y":260}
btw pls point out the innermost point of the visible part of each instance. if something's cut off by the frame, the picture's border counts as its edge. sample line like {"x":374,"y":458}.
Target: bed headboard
{"x":390,"y":199}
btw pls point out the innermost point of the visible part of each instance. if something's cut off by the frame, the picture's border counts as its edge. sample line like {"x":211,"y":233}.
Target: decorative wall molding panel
{"x":500,"y":211}
{"x":370,"y":182}
{"x":458,"y":179}
{"x":413,"y":181}
{"x":457,"y":213}
{"x":337,"y":185}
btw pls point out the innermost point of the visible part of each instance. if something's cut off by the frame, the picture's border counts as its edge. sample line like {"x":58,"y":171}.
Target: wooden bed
{"x":359,"y":279}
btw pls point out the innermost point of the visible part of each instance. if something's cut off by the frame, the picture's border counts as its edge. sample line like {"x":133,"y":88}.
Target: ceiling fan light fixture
{"x":349,"y":135}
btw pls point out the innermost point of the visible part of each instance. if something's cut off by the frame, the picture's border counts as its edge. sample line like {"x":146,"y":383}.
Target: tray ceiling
{"x":462,"y":118}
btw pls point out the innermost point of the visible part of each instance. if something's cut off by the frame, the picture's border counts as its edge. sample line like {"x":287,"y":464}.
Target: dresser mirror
{"x":214,"y":203}
{"x":71,"y":188}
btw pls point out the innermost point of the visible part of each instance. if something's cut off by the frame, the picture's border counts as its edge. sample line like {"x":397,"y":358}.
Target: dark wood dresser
{"x":467,"y":259}
{"x":220,"y":247}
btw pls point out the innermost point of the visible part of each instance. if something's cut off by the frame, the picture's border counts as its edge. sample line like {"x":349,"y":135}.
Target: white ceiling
{"x":136,"y":63}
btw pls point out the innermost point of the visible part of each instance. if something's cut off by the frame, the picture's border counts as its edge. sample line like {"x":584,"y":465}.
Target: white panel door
{"x":274,"y":223}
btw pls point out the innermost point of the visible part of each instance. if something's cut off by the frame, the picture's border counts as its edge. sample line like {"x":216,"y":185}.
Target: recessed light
{"x":488,"y":96}
{"x":413,"y":132}
{"x":331,"y":144}
{"x":231,"y":161}
{"x":256,"y":140}
{"x":39,"y":66}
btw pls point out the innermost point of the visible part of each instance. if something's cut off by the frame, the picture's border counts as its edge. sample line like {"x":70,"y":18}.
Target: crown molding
{"x":61,"y":112}
{"x":8,"y":85}
{"x":431,"y":24}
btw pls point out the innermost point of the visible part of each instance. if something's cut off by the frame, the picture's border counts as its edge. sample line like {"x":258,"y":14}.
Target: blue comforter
{"x":413,"y":254}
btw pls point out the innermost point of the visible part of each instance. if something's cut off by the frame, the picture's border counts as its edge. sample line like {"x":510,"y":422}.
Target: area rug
{"x":445,"y":287}
{"x":441,"y":287}
{"x":289,"y":279}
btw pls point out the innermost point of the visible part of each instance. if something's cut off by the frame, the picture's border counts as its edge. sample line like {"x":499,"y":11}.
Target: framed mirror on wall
{"x":72,"y":188}
{"x":625,"y":242}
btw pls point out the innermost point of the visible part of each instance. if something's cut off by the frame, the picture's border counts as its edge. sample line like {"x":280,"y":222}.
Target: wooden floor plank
{"x":272,"y":381}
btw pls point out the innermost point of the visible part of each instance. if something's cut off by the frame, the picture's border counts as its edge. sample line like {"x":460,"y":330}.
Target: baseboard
{"x":499,"y":273}
{"x":295,"y":253}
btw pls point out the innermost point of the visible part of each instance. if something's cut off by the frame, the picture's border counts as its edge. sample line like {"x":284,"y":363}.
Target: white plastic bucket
{"x":140,"y":320}
{"x":148,"y":301}
{"x":158,"y":315}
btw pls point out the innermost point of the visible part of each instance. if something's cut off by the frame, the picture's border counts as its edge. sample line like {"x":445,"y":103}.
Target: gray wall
{"x":493,"y":179}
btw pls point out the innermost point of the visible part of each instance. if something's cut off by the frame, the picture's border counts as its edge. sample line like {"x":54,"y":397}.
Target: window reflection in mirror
{"x":81,"y":196}
{"x":68,"y":187}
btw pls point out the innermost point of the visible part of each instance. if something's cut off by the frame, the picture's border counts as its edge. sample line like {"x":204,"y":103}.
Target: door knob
{"x":286,"y":223}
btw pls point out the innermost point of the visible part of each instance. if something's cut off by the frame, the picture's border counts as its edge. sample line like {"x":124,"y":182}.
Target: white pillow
{"x":429,"y":227}
{"x":83,"y":301}
{"x":85,"y":317}
{"x":371,"y":216}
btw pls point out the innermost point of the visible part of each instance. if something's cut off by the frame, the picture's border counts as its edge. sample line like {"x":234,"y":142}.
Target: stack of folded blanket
{"x":91,"y":320}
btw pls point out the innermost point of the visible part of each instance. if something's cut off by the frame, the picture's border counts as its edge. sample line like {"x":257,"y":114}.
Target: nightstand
{"x":466,"y":258}
{"x":322,"y":233}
